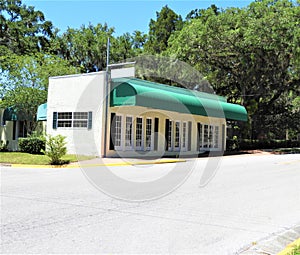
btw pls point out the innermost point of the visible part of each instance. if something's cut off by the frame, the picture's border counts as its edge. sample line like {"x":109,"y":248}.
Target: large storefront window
{"x":118,"y":131}
{"x":184,"y":137}
{"x":177,"y":136}
{"x":216,"y":137}
{"x":139,"y":134}
{"x":210,"y":136}
{"x":149,"y":134}
{"x":205,"y":136}
{"x":128,"y":133}
{"x":170,"y":135}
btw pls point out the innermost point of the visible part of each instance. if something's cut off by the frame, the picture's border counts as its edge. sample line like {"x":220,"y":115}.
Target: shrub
{"x":267,"y":144}
{"x":56,"y":149}
{"x":32,"y":144}
{"x":3,"y":146}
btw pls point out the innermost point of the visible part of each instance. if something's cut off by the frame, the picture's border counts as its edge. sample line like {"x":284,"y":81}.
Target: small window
{"x":72,"y":119}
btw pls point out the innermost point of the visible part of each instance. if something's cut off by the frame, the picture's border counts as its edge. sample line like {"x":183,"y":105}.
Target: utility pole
{"x":107,"y":87}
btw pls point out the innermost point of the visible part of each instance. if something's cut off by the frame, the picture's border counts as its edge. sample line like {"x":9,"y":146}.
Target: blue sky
{"x":124,"y":16}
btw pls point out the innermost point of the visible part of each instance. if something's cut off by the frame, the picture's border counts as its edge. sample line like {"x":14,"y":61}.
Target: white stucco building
{"x":137,"y":118}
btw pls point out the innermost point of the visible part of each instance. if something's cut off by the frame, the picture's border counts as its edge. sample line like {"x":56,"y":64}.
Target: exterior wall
{"x":78,"y":93}
{"x":136,"y":111}
{"x":6,"y":132}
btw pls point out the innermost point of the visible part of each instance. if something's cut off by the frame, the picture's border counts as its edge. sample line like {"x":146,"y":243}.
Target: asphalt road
{"x":61,"y":211}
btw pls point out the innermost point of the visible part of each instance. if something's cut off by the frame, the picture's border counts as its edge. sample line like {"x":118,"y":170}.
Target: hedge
{"x":32,"y":145}
{"x":234,"y":144}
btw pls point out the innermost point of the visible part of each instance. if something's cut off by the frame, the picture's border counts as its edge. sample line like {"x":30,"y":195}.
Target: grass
{"x":287,"y":150}
{"x":26,"y":158}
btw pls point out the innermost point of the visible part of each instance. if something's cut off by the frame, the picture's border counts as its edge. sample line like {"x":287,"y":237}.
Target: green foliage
{"x":250,"y":55}
{"x":4,"y":146}
{"x":23,"y":30}
{"x":246,"y":144}
{"x":34,"y":144}
{"x":167,"y":21}
{"x":56,"y":149}
{"x":24,"y":82}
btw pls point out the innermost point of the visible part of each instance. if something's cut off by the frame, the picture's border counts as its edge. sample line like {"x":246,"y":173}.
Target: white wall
{"x":78,"y":93}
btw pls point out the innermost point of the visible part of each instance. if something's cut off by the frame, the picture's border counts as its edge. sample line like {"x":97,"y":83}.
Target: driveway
{"x":250,"y":198}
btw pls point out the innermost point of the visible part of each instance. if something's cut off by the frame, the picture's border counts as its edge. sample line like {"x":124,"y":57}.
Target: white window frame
{"x":132,"y":133}
{"x":151,"y":135}
{"x":138,"y":148}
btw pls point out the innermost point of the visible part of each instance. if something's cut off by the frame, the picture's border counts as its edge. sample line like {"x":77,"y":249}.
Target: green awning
{"x":9,"y":114}
{"x":42,"y":112}
{"x":159,"y":96}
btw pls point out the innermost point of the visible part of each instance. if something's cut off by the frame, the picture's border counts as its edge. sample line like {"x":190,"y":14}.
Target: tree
{"x":22,"y":29}
{"x":85,"y":47}
{"x":24,"y":82}
{"x":250,"y":55}
{"x":167,"y":21}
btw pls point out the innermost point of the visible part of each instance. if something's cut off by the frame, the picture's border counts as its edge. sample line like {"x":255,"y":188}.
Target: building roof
{"x":137,"y":92}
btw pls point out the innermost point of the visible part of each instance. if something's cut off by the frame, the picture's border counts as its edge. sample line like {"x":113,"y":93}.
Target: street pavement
{"x":249,"y":199}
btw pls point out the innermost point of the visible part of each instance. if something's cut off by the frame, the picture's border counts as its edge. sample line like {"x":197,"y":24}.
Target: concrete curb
{"x":78,"y":165}
{"x":276,"y":243}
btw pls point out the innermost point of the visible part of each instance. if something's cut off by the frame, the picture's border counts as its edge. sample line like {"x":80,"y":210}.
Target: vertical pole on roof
{"x":107,"y":81}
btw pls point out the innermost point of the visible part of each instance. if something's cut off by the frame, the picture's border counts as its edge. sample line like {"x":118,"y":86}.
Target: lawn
{"x":26,"y":158}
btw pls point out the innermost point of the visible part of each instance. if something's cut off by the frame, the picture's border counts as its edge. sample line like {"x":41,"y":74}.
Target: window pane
{"x":148,"y":134}
{"x":210,"y":136}
{"x":216,"y":139}
{"x":139,"y":133}
{"x":80,"y":115}
{"x":170,"y":135}
{"x":205,"y":136}
{"x":128,"y":132}
{"x":184,"y":135}
{"x":80,"y":123}
{"x":118,"y":129}
{"x":64,"y":115}
{"x":177,"y":134}
{"x":64,"y":123}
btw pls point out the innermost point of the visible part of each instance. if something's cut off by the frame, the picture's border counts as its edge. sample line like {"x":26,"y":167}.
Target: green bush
{"x":3,"y":146}
{"x":56,"y":149}
{"x":32,"y":144}
{"x":247,"y":144}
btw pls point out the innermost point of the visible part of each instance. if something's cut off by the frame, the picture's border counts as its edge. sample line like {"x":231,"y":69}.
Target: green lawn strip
{"x":30,"y":159}
{"x":297,"y":251}
{"x":287,"y":150}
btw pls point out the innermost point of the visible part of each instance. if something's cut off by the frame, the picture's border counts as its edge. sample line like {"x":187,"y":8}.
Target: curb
{"x":78,"y":165}
{"x":280,"y":243}
{"x":290,"y":248}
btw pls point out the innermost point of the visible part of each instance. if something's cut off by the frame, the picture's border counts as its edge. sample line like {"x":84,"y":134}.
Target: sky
{"x":123,"y":15}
